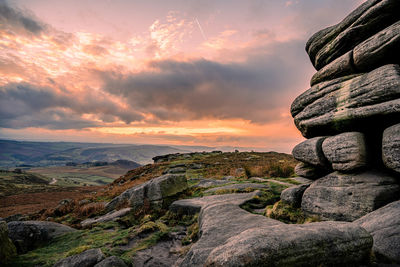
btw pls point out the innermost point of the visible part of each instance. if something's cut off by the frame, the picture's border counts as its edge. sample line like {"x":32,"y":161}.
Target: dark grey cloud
{"x":254,"y":90}
{"x":25,"y":105}
{"x":11,"y":18}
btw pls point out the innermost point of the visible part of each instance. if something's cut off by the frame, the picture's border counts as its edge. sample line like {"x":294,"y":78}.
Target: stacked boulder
{"x":351,"y":115}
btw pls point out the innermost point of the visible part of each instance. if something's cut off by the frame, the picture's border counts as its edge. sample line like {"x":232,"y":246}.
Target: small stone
{"x":112,"y":261}
{"x":293,"y":195}
{"x":308,"y":171}
{"x":310,"y":152}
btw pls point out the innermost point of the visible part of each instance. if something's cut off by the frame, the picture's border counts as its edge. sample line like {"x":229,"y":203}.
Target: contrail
{"x":201,"y":29}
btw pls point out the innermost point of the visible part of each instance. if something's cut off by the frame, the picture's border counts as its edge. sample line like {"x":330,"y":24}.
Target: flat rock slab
{"x":347,"y":197}
{"x":231,"y":236}
{"x":369,"y":18}
{"x":391,"y":147}
{"x":346,"y":151}
{"x":238,"y":187}
{"x":87,"y":258}
{"x":111,"y":216}
{"x":210,"y":182}
{"x":27,"y":235}
{"x":384,"y":226}
{"x":154,"y":191}
{"x":349,"y":104}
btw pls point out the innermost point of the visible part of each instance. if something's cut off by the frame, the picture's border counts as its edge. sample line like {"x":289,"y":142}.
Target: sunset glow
{"x":217,"y":73}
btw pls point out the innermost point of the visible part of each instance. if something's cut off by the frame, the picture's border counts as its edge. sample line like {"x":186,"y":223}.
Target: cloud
{"x":26,"y":105}
{"x":256,"y":89}
{"x":18,"y":20}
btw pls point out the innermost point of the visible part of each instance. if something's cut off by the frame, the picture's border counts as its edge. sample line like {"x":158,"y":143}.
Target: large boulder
{"x":346,"y":151}
{"x":87,"y":258}
{"x":384,"y":226}
{"x":371,"y":17}
{"x":27,"y":235}
{"x":231,"y":236}
{"x":313,"y":244}
{"x":7,"y":248}
{"x":391,"y":147}
{"x":347,"y":197}
{"x":310,"y":152}
{"x":293,"y":195}
{"x":350,"y":104}
{"x":378,"y":50}
{"x":154,"y":191}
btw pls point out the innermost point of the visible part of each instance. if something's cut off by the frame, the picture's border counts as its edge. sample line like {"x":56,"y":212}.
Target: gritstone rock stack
{"x":351,"y":115}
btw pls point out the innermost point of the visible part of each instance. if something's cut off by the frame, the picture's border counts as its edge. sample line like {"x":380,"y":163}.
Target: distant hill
{"x":17,"y":153}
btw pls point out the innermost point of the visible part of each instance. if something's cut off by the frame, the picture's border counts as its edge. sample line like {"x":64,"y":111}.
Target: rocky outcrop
{"x":7,"y":248}
{"x":294,"y":194}
{"x":346,"y":197}
{"x":27,"y":235}
{"x":384,"y":226}
{"x":154,"y":191}
{"x":378,"y":50}
{"x":371,"y":17}
{"x":391,"y":147}
{"x":111,"y":216}
{"x":346,"y":151}
{"x":349,"y":104}
{"x":354,"y":106}
{"x":231,"y":236}
{"x":87,"y":258}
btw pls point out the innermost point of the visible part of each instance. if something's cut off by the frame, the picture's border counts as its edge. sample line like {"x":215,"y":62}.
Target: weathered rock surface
{"x":313,"y":244}
{"x":378,"y":50}
{"x":27,"y":235}
{"x":112,"y":261}
{"x":346,"y":151}
{"x":308,"y":171}
{"x":253,"y":240}
{"x":111,"y":216}
{"x":293,"y":195}
{"x":163,"y":254}
{"x":7,"y":248}
{"x":384,"y":226}
{"x":371,"y":17}
{"x":238,"y":187}
{"x":87,"y":258}
{"x":310,"y":152}
{"x":345,"y":105}
{"x":347,"y":197}
{"x":210,"y":182}
{"x":391,"y":147}
{"x":155,"y":191}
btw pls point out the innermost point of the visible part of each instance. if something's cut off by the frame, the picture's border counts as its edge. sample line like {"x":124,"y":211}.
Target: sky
{"x":179,"y":72}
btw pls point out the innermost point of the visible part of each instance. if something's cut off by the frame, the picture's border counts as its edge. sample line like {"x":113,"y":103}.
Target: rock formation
{"x":351,"y":115}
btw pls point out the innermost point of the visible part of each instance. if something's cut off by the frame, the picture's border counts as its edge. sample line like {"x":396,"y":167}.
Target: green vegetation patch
{"x":286,"y":213}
